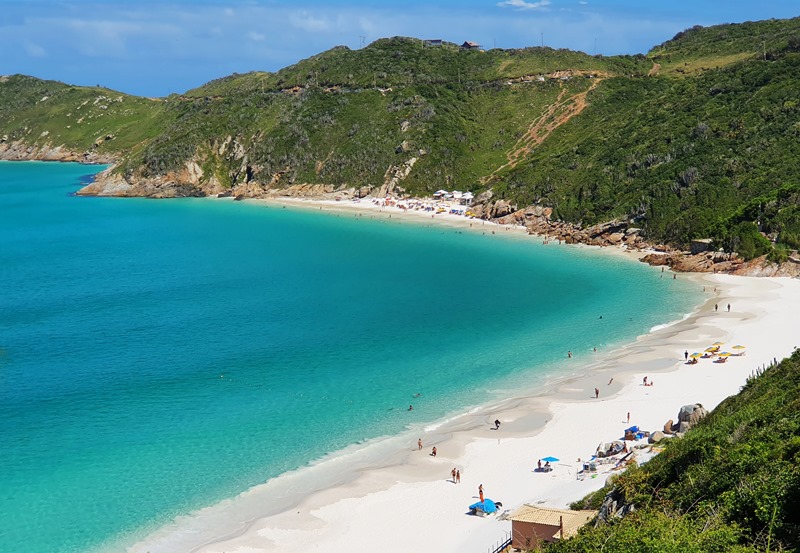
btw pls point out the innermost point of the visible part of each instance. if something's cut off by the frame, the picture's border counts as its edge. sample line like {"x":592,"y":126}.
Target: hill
{"x":731,"y":484}
{"x":695,"y":139}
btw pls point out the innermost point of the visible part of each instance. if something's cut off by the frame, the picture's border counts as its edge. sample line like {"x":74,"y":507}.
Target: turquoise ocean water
{"x":159,"y":356}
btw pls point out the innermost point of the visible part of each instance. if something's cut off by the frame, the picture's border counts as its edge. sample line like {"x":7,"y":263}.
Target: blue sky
{"x":156,"y":47}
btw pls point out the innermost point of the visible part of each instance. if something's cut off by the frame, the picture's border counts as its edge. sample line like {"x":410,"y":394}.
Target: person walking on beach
{"x":419,"y":443}
{"x":596,"y":393}
{"x":644,"y":381}
{"x":433,"y":452}
{"x":729,"y":308}
{"x":453,"y":474}
{"x":480,"y":492}
{"x":716,"y":306}
{"x":497,"y":424}
{"x":686,"y":355}
{"x":629,"y":417}
{"x":458,"y":476}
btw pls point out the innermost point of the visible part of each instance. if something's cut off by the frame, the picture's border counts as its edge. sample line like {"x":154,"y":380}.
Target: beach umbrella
{"x":739,"y":347}
{"x":712,"y":350}
{"x":725,"y":354}
{"x":550,"y":459}
{"x":695,"y":355}
{"x":717,"y":343}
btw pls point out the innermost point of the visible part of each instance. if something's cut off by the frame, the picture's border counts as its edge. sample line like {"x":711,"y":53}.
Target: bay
{"x":158,"y":356}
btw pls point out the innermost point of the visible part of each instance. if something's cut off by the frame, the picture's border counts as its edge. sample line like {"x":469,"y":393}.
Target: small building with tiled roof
{"x":469,"y":45}
{"x":531,"y":525}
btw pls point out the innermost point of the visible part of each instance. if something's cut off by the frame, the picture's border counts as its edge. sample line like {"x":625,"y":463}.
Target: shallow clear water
{"x":158,"y":356}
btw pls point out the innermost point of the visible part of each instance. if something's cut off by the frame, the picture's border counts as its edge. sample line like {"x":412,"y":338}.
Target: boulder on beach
{"x":691,"y":414}
{"x":668,"y":426}
{"x":656,"y":437}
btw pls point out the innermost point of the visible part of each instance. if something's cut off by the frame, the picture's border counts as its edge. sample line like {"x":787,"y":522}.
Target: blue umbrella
{"x":550,"y":459}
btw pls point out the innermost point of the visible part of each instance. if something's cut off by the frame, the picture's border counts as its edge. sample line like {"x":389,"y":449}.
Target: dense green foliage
{"x":731,"y":484}
{"x":697,"y":139}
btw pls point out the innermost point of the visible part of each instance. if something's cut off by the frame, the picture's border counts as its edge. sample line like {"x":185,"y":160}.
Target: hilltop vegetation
{"x":37,"y":111}
{"x":696,"y":139}
{"x":731,"y":484}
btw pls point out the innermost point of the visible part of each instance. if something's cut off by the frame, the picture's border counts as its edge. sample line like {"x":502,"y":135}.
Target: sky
{"x":158,"y":47}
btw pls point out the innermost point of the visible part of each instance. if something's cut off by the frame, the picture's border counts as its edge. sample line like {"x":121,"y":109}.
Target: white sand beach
{"x":409,"y":503}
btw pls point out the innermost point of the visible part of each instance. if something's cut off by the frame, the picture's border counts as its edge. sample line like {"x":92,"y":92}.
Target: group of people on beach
{"x":455,"y":474}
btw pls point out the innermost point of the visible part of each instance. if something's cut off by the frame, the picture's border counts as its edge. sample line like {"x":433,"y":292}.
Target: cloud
{"x":523,"y":5}
{"x":256,"y":37}
{"x":309,"y":23}
{"x":34,"y":50}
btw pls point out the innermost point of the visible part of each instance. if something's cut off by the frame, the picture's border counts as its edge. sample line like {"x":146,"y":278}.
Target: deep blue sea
{"x":157,"y":356}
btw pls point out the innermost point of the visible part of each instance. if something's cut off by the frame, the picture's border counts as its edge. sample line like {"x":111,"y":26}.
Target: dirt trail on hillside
{"x":654,"y":70}
{"x":556,"y":114}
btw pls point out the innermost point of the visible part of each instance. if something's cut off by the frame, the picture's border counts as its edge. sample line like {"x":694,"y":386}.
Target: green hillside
{"x":37,"y":111}
{"x":698,"y":138}
{"x":731,"y":484}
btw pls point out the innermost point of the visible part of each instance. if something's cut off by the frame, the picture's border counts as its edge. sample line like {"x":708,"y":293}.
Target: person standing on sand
{"x":629,"y":417}
{"x":453,"y":474}
{"x":419,"y":443}
{"x":596,"y":393}
{"x":729,"y":308}
{"x":497,"y":424}
{"x":458,"y":476}
{"x":716,"y":305}
{"x":480,"y":492}
{"x":433,"y":452}
{"x":686,"y":355}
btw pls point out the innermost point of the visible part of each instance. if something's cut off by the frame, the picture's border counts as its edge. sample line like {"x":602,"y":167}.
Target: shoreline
{"x":389,"y":485}
{"x":427,"y":510}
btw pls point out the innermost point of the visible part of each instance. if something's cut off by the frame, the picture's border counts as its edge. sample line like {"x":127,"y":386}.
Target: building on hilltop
{"x":470,"y":46}
{"x":432,"y":42}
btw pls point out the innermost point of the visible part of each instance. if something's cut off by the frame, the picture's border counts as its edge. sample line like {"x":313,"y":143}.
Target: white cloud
{"x":523,"y":5}
{"x":257,"y":37}
{"x":307,"y":22}
{"x":34,"y":50}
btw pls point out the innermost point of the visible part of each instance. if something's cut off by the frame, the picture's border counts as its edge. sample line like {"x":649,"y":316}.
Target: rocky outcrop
{"x":688,"y":416}
{"x":22,"y":151}
{"x":613,"y":233}
{"x":613,"y":507}
{"x":706,"y":262}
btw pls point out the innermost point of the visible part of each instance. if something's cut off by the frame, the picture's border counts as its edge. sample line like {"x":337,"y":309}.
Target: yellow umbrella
{"x":712,"y":350}
{"x":696,"y":355}
{"x":725,"y":354}
{"x":739,"y":347}
{"x":717,"y":343}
